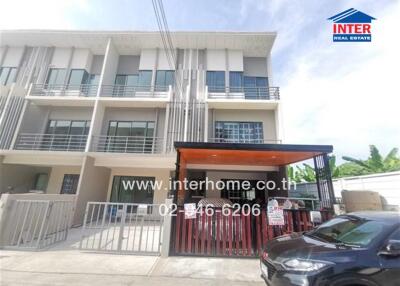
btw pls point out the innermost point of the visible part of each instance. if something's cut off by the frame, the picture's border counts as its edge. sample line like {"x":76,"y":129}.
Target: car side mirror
{"x":392,"y":248}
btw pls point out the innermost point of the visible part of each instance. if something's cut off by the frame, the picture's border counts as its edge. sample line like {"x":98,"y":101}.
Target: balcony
{"x":134,"y":91}
{"x":128,"y":144}
{"x":51,"y":142}
{"x":244,"y":141}
{"x":243,"y":93}
{"x":82,"y":90}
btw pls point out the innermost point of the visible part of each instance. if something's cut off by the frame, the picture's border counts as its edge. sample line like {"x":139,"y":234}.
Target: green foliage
{"x":375,"y":163}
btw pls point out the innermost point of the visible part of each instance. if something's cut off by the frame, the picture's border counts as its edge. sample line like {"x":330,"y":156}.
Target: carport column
{"x":167,"y":226}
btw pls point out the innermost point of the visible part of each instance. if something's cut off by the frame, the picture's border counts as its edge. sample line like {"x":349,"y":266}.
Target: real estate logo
{"x":351,"y":26}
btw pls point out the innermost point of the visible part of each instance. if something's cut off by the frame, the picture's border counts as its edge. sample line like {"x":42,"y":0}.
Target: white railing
{"x":244,"y":141}
{"x":132,"y":91}
{"x":249,"y":93}
{"x":84,"y":90}
{"x":51,"y":142}
{"x":127,"y":144}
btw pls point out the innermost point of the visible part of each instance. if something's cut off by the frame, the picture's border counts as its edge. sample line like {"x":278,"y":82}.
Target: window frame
{"x":74,"y":185}
{"x":240,"y":134}
{"x":10,"y":70}
{"x":214,"y":83}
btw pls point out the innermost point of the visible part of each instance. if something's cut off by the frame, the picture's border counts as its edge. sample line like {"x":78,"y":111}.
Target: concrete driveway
{"x":60,"y":266}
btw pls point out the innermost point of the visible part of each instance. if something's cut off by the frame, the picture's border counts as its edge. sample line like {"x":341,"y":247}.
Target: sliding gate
{"x":122,"y":228}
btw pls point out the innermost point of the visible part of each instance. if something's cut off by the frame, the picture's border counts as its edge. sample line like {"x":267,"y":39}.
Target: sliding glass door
{"x":131,"y":136}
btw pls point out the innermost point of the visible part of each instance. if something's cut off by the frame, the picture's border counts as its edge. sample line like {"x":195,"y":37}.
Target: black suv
{"x":360,"y":248}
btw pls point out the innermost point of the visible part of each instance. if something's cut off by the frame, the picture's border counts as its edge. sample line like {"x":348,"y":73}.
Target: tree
{"x":307,"y":172}
{"x":376,"y":163}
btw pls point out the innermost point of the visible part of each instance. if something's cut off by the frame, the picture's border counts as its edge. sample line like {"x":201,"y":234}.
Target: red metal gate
{"x":232,"y":234}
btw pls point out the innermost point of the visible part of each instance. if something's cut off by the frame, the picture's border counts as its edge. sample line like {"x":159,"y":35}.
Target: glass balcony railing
{"x":85,"y":90}
{"x":132,"y":91}
{"x":257,"y":93}
{"x":51,"y":142}
{"x":128,"y":144}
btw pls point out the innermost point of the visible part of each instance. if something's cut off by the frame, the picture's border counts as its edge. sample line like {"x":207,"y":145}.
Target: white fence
{"x":34,"y":221}
{"x":386,"y":184}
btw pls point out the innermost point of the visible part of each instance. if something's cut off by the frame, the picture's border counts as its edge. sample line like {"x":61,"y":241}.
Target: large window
{"x":239,"y":132}
{"x":77,"y":77}
{"x":216,"y":81}
{"x":125,"y":84}
{"x":69,"y":184}
{"x":130,"y":136}
{"x":66,"y":134}
{"x":256,"y":87}
{"x":56,"y":78}
{"x":129,"y":189}
{"x":236,"y":81}
{"x":144,"y":81}
{"x":7,"y":75}
{"x":164,"y":79}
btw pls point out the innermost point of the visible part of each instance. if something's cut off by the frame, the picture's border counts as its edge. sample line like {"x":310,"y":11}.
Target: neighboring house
{"x":98,"y":108}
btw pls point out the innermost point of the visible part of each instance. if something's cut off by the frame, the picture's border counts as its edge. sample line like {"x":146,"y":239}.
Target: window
{"x":129,"y":189}
{"x":77,"y":77}
{"x":349,"y":230}
{"x":144,"y":81}
{"x":55,"y":78}
{"x":66,"y":135}
{"x":131,"y":136}
{"x":215,"y":81}
{"x":164,"y":79}
{"x":239,"y":132}
{"x":41,"y":181}
{"x":256,"y":87}
{"x":236,"y":81}
{"x":7,"y":75}
{"x":125,"y":84}
{"x":69,"y":184}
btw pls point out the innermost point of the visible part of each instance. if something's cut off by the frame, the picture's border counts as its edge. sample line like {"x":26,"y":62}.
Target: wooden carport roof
{"x":247,"y":154}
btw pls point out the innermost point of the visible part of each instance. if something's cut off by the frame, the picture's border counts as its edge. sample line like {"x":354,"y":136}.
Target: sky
{"x":343,"y":94}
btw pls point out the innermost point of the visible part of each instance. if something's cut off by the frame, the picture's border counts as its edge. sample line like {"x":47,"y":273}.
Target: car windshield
{"x":348,"y":230}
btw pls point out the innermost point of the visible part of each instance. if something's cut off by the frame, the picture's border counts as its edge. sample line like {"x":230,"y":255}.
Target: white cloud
{"x":347,"y":94}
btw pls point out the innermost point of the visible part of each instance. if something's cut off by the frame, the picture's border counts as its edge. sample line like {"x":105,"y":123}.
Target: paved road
{"x":72,"y":267}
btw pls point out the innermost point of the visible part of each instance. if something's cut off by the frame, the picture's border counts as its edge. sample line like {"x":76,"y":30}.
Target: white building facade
{"x":80,"y":111}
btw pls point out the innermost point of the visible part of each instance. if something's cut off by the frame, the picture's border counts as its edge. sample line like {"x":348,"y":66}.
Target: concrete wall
{"x":82,"y":59}
{"x":161,"y":175}
{"x":93,"y":184}
{"x":19,"y":178}
{"x":267,"y":117}
{"x":128,"y":64}
{"x":97,"y":64}
{"x":216,"y":60}
{"x":13,"y":56}
{"x":255,"y":66}
{"x":36,"y":117}
{"x":61,"y":58}
{"x":57,"y":176}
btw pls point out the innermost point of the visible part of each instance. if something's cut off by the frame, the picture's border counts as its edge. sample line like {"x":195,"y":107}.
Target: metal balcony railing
{"x":260,"y":93}
{"x":244,"y":140}
{"x":127,"y":144}
{"x":85,"y":90}
{"x":51,"y":142}
{"x":134,"y":91}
